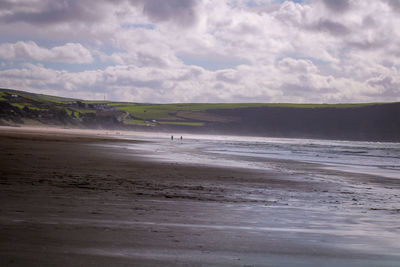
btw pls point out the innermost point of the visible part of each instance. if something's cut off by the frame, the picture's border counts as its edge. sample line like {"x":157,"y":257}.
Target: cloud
{"x":182,"y":12}
{"x":337,"y":5}
{"x":303,"y":83}
{"x":332,"y":27}
{"x":52,"y":11}
{"x":203,"y":50}
{"x":387,"y":85}
{"x":297,"y":65}
{"x":6,"y":5}
{"x":72,"y":53}
{"x":367,"y":44}
{"x":395,"y":4}
{"x":228,"y":76}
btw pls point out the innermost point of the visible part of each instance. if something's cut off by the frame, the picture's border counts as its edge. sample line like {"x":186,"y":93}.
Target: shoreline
{"x":167,"y":134}
{"x":66,"y":202}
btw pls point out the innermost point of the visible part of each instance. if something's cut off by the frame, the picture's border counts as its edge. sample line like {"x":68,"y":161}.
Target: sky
{"x":175,"y":51}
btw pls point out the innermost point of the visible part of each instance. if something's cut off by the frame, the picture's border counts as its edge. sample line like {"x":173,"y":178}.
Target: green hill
{"x":369,"y":121}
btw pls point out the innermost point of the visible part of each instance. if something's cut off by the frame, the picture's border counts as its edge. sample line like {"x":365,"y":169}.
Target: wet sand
{"x":66,"y":201}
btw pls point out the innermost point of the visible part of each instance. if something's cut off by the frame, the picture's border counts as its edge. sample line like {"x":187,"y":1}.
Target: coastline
{"x":68,"y":202}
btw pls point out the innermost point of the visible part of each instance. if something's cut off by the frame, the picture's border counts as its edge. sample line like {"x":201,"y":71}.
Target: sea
{"x":372,"y":158}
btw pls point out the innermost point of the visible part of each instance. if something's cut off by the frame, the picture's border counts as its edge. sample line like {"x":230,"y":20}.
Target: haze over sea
{"x":381,"y":159}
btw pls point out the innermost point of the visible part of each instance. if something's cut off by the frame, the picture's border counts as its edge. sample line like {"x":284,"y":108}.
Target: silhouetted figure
{"x":172,"y":137}
{"x":181,"y":137}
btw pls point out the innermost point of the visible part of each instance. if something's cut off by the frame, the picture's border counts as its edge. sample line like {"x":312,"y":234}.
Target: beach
{"x":89,"y":198}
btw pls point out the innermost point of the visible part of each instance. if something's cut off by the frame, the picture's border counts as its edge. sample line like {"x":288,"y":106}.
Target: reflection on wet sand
{"x":72,"y":202}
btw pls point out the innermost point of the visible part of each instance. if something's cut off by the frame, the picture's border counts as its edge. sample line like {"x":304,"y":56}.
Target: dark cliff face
{"x":372,"y":123}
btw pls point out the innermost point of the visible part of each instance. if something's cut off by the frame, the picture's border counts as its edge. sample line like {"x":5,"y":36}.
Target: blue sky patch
{"x":138,"y":26}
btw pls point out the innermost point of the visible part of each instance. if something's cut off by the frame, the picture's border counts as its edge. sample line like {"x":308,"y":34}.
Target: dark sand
{"x":65,"y":201}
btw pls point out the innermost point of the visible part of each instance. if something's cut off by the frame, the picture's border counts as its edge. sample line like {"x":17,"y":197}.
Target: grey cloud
{"x":367,"y":45}
{"x":369,"y":22}
{"x":379,"y":40}
{"x":5,"y":5}
{"x":384,"y":82}
{"x":337,"y":5}
{"x":334,"y":28}
{"x":394,"y":4}
{"x":182,"y":12}
{"x":52,"y":12}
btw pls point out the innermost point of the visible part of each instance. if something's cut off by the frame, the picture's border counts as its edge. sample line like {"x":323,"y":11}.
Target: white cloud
{"x":68,"y":53}
{"x":297,"y":66}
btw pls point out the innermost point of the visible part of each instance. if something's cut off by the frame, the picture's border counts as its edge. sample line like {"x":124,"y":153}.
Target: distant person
{"x":172,"y":137}
{"x":181,"y":137}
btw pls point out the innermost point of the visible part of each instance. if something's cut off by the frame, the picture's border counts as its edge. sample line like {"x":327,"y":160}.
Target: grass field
{"x":135,"y":122}
{"x":182,"y":123}
{"x":188,"y":114}
{"x":193,"y":114}
{"x":2,"y":94}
